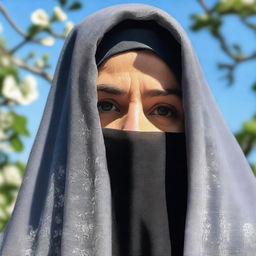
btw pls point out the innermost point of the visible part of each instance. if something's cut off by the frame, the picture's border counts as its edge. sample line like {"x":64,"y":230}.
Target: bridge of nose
{"x":135,"y":118}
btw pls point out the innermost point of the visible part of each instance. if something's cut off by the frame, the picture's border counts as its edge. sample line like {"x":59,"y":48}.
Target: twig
{"x":9,"y":19}
{"x":22,"y":33}
{"x":62,"y":36}
{"x":205,"y":7}
{"x":230,"y":71}
{"x":18,"y":46}
{"x":248,"y":24}
{"x":21,"y":64}
{"x":16,"y":28}
{"x":34,"y":70}
{"x":222,"y":40}
{"x":4,"y":102}
{"x":227,"y":50}
{"x":224,"y":45}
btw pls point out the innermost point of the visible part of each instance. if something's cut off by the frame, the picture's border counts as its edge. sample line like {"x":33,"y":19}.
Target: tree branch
{"x":205,"y":7}
{"x":224,"y":45}
{"x":5,"y":102}
{"x":227,"y":50}
{"x":248,"y":24}
{"x":18,"y":46}
{"x":62,"y":36}
{"x":9,"y":19}
{"x":21,"y":64}
{"x":16,"y":28}
{"x":22,"y":33}
{"x":222,"y":40}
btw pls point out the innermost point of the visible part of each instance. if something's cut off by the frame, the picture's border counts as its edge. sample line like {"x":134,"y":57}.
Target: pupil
{"x":163,"y":111}
{"x":106,"y":106}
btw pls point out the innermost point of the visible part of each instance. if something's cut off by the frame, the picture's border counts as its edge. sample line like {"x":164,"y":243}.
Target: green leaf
{"x":254,"y":87}
{"x":75,"y":6}
{"x":206,"y":20}
{"x":239,"y":7}
{"x":9,"y":70}
{"x":19,"y":124}
{"x":62,"y":2}
{"x":21,"y":166}
{"x":2,"y":42}
{"x":45,"y":57}
{"x":16,"y":143}
{"x":250,"y":127}
{"x":253,"y":166}
{"x":246,"y":139}
{"x":32,"y":31}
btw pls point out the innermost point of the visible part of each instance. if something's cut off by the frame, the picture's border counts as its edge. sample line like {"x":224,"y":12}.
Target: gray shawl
{"x":64,"y":204}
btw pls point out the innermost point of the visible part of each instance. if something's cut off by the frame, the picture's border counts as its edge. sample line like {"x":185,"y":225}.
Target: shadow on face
{"x":138,"y":91}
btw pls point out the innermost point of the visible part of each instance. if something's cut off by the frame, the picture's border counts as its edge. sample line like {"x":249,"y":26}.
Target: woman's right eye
{"x":107,"y":106}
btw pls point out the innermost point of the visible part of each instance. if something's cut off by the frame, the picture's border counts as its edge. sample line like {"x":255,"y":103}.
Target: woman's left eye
{"x":165,"y":111}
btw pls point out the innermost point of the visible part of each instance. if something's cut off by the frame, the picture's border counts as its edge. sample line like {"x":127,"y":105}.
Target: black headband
{"x":146,"y":35}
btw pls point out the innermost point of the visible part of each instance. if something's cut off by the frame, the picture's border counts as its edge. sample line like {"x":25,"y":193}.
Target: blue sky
{"x":237,"y":103}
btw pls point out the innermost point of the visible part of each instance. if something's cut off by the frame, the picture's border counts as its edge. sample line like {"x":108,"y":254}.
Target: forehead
{"x":137,"y":64}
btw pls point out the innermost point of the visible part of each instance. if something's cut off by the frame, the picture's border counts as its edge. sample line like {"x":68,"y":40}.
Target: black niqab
{"x":148,"y":178}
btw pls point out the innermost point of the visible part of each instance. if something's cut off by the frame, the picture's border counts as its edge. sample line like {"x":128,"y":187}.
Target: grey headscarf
{"x":64,"y":204}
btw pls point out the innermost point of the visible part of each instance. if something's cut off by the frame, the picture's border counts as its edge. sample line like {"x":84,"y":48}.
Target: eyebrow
{"x":113,"y":89}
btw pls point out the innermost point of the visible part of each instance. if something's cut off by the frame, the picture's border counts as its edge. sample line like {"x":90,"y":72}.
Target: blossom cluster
{"x":40,"y":18}
{"x":23,"y":93}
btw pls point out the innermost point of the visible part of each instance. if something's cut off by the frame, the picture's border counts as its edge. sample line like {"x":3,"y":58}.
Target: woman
{"x":70,"y":202}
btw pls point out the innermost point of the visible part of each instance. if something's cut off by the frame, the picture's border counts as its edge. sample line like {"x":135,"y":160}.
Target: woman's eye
{"x":106,"y":106}
{"x":165,"y":111}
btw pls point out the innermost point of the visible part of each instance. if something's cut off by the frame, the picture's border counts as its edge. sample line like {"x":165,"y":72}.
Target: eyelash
{"x":174,"y":114}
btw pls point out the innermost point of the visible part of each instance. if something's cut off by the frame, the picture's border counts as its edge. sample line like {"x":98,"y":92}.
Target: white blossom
{"x":204,"y":16}
{"x":23,"y":94}
{"x":6,"y":120}
{"x":47,"y":41}
{"x":7,"y":148}
{"x":10,"y":88}
{"x":11,"y":174}
{"x":59,"y":14}
{"x":5,"y":61}
{"x":40,"y":17}
{"x":39,"y":63}
{"x":68,"y":27}
{"x":29,"y":90}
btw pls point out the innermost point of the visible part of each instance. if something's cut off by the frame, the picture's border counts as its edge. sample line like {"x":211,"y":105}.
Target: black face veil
{"x":149,"y":189}
{"x":64,"y":204}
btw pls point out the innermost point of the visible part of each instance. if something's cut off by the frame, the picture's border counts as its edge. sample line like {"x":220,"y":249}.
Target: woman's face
{"x":137,"y":91}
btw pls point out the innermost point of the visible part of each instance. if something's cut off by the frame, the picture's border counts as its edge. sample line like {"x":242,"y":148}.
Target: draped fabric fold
{"x":64,"y":204}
